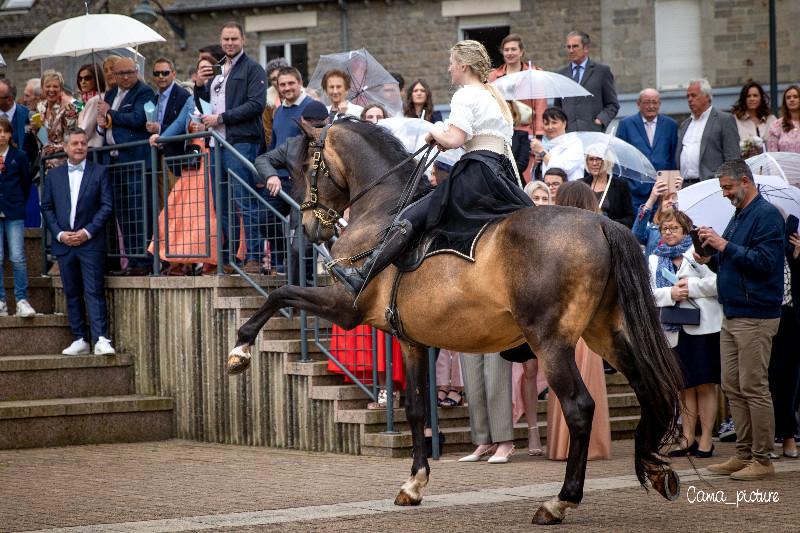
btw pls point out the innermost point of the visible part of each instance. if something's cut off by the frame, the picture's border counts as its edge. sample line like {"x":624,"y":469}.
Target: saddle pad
{"x":432,"y":243}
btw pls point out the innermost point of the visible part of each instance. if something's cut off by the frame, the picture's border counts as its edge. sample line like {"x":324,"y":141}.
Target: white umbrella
{"x":82,"y":35}
{"x":2,"y":61}
{"x":783,"y":164}
{"x":532,"y":84}
{"x":706,"y":206}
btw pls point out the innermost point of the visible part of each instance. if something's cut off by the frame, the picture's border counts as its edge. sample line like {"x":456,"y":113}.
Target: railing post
{"x":432,"y":396}
{"x":154,"y":200}
{"x":389,"y":386}
{"x":301,"y":257}
{"x":374,"y":342}
{"x":44,"y":225}
{"x":218,"y":203}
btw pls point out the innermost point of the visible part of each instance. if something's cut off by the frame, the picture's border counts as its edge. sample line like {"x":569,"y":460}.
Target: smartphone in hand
{"x":216,"y":70}
{"x":703,"y":251}
{"x":671,"y":179}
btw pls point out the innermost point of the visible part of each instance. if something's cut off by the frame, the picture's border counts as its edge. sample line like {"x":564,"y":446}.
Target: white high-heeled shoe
{"x":501,"y":459}
{"x":475,"y":457}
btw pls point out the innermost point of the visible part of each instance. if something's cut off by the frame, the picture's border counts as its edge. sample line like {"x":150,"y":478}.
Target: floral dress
{"x":58,"y":119}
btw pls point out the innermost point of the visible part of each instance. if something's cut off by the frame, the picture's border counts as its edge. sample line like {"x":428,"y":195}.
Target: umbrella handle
{"x":605,"y":192}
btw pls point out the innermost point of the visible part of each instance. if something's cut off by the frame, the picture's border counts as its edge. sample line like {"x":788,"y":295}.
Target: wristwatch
{"x":219,"y":118}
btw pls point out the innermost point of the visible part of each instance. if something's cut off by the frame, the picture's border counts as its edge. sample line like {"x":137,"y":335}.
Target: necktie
{"x":576,"y":73}
{"x":650,"y":128}
{"x":2,"y":159}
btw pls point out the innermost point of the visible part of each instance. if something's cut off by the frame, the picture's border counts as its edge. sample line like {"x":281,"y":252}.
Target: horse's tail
{"x":643,"y":354}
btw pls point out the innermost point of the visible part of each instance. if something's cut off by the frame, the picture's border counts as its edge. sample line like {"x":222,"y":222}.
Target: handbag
{"x":681,"y":316}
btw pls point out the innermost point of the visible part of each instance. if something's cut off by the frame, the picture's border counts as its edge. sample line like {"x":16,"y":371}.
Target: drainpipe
{"x":343,"y":8}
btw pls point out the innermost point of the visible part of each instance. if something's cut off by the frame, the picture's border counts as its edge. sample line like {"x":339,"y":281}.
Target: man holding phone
{"x":748,"y":259}
{"x":236,"y":89}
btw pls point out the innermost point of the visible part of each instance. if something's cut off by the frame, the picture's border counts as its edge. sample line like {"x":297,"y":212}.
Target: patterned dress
{"x":779,"y":140}
{"x":58,"y":119}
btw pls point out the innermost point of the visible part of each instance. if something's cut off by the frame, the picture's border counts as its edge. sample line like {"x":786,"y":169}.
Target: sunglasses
{"x":86,"y":78}
{"x":161,"y":73}
{"x":125,"y":73}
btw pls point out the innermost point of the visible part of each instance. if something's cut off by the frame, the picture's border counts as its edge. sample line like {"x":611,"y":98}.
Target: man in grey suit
{"x":707,"y":138}
{"x":590,"y":113}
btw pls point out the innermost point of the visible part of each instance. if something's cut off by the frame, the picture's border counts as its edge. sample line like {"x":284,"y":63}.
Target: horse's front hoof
{"x":238,"y":359}
{"x":667,"y":483}
{"x":543,"y":517}
{"x":405,"y":499}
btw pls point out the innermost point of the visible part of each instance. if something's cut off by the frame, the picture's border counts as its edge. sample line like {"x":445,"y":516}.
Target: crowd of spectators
{"x":743,"y":281}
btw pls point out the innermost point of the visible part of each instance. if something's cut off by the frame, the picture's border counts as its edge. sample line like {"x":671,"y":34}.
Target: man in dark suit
{"x":121,"y":119}
{"x":707,"y":138}
{"x":653,"y":134}
{"x":589,"y":113}
{"x":24,"y":140}
{"x":76,"y":206}
{"x":170,"y":99}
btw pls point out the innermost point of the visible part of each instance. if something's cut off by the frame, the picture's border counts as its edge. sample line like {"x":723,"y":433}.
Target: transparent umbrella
{"x":706,"y":206}
{"x":532,"y":84}
{"x":2,"y":61}
{"x":411,"y":132}
{"x":628,"y":161}
{"x":370,"y":83}
{"x":783,"y":164}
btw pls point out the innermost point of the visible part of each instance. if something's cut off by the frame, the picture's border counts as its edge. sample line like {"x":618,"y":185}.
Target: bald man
{"x":654,"y":134}
{"x":121,"y":119}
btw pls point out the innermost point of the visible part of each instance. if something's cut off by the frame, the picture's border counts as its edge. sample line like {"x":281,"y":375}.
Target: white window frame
{"x":5,"y":7}
{"x":477,"y":22}
{"x":662,"y":52}
{"x":287,"y":48}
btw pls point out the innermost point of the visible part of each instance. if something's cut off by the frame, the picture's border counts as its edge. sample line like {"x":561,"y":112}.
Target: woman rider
{"x":483,"y":185}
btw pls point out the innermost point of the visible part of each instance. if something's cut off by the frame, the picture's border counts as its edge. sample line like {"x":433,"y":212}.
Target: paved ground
{"x":187,"y":486}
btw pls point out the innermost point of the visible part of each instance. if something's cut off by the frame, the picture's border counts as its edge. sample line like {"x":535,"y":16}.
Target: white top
{"x":474,"y":111}
{"x":352,"y":110}
{"x":747,"y":129}
{"x":690,"y":153}
{"x":568,"y":156}
{"x":702,"y":291}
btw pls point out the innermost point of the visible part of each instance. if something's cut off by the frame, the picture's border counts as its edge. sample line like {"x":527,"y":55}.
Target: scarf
{"x":85,"y":97}
{"x":666,"y":254}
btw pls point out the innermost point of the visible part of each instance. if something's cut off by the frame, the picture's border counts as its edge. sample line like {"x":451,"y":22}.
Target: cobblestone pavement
{"x":188,"y":486}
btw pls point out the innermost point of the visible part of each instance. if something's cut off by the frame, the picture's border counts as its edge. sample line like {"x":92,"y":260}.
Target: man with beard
{"x":748,"y":259}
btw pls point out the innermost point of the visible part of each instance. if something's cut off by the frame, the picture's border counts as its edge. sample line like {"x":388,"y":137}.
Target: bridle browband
{"x":327,"y":216}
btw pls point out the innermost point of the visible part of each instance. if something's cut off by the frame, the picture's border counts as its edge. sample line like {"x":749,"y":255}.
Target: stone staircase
{"x":49,"y":399}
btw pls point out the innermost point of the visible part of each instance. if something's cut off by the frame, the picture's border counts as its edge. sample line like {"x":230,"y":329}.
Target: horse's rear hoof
{"x":543,"y":517}
{"x":238,"y":360}
{"x":404,"y":499}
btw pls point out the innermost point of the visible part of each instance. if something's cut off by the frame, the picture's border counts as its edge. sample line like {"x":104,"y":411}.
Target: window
{"x":10,"y":5}
{"x":490,"y":37}
{"x":296,"y":53}
{"x":678,"y":43}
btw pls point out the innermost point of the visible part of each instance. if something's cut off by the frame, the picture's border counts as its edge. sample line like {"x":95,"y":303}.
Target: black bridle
{"x":327,"y":216}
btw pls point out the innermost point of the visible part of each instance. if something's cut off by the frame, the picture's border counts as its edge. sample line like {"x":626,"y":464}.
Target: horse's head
{"x":320,"y":182}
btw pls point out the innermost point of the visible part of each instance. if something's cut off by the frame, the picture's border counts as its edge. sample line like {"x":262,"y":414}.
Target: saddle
{"x":432,"y":243}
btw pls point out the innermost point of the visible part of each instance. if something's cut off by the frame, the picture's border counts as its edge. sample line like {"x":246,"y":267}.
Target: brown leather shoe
{"x":252,"y":267}
{"x":734,"y":464}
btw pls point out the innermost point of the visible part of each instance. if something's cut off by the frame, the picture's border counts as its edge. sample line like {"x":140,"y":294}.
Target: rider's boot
{"x":354,"y":278}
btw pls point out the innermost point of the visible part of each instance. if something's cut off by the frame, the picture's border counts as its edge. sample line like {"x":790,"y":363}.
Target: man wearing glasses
{"x":121,"y":119}
{"x":170,"y":99}
{"x":590,"y":113}
{"x":236,"y":90}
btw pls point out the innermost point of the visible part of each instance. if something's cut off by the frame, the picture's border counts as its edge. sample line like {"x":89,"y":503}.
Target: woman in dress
{"x":697,"y":347}
{"x":419,"y":98}
{"x":590,"y":365}
{"x":753,"y":118}
{"x":784,"y":135}
{"x":613,"y":195}
{"x":90,"y":83}
{"x":553,"y":151}
{"x":58,"y":115}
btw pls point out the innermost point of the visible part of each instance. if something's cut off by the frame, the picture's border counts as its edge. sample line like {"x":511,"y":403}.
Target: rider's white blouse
{"x":475,"y":111}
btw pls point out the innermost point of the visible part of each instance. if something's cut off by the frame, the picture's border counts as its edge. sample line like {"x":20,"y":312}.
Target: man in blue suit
{"x":121,"y":119}
{"x":24,"y":140}
{"x":76,"y":206}
{"x":653,"y":134}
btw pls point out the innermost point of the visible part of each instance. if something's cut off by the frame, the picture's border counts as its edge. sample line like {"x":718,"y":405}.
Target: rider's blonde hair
{"x":473,"y":55}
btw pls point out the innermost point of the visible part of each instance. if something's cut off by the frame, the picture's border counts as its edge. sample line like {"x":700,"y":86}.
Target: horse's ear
{"x":309,"y":130}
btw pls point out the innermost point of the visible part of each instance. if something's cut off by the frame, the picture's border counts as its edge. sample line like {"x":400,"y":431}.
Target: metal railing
{"x":245,"y":212}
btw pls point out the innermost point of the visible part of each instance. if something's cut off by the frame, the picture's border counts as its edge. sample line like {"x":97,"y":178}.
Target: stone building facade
{"x":725,"y":41}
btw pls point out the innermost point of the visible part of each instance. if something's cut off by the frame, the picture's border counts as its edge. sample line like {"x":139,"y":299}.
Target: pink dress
{"x":590,"y":365}
{"x":779,"y":140}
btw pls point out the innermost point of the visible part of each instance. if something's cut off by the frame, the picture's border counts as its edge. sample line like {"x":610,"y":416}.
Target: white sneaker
{"x":79,"y":347}
{"x":24,"y":309}
{"x":3,"y":308}
{"x":103,"y":347}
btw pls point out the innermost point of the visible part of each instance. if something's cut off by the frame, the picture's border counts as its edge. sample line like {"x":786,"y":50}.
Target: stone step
{"x":287,"y":346}
{"x":40,"y":334}
{"x":38,"y":377}
{"x":93,"y":420}
{"x":40,"y":292}
{"x":617,"y":383}
{"x":458,"y":439}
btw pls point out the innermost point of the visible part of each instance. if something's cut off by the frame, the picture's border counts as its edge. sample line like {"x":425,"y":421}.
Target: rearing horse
{"x":543,"y":275}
